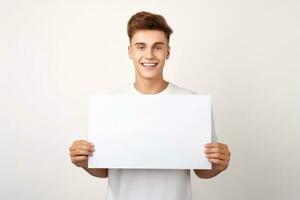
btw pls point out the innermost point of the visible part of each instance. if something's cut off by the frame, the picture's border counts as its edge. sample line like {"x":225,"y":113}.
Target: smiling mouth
{"x":152,"y":65}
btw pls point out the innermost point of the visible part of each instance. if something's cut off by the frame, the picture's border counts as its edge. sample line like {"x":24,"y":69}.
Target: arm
{"x":206,"y":174}
{"x":97,"y":172}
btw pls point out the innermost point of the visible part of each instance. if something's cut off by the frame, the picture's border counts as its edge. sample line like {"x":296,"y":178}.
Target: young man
{"x":149,"y":48}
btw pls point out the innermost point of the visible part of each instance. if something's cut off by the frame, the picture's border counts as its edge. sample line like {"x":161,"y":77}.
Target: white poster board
{"x":149,"y":131}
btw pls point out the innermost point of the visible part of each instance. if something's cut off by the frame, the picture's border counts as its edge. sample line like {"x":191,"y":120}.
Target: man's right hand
{"x":80,"y":150}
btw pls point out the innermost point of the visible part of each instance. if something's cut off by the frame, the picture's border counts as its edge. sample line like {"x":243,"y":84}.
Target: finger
{"x":217,"y":156}
{"x":79,"y":159}
{"x":216,"y":161}
{"x":78,"y":142}
{"x":83,"y":147}
{"x":215,"y":150}
{"x":87,"y":148}
{"x":80,"y":152}
{"x":216,"y":145}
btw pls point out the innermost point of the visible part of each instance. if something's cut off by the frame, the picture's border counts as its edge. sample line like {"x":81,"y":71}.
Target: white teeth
{"x":149,"y":64}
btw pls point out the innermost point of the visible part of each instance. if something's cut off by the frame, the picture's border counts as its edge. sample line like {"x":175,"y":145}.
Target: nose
{"x":149,"y":54}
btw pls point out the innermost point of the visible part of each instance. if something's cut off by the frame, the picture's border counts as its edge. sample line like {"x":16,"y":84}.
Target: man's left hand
{"x":218,"y":154}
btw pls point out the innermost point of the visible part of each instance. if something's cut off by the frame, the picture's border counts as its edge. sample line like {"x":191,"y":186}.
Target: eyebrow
{"x":142,"y":43}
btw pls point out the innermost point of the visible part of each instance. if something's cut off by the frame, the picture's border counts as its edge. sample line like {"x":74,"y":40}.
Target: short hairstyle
{"x":148,"y":21}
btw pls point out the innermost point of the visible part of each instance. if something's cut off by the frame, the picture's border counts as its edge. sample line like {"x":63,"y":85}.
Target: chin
{"x":146,"y":75}
{"x":149,"y":77}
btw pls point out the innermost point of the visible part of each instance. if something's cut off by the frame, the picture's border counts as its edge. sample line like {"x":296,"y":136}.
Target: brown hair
{"x":148,"y":21}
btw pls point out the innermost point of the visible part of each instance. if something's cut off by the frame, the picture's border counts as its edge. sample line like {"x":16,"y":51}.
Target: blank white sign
{"x":149,"y":131}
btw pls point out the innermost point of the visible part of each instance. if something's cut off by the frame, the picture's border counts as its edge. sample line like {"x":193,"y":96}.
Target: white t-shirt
{"x":150,"y":184}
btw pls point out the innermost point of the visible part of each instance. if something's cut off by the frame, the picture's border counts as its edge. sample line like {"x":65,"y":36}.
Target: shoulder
{"x":176,"y":89}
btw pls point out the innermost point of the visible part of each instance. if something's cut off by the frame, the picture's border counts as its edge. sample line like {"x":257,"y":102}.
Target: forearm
{"x":97,"y":172}
{"x":206,"y":173}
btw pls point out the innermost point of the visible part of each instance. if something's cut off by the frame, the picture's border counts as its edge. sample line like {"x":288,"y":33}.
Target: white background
{"x":54,"y":53}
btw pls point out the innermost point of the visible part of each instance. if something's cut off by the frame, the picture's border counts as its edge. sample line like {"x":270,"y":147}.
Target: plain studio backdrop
{"x":53,"y":54}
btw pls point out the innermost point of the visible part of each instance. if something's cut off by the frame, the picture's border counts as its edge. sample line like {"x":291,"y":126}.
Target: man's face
{"x":149,"y":49}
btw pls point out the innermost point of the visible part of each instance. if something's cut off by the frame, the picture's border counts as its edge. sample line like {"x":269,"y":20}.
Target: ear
{"x":168,"y":52}
{"x":130,"y":51}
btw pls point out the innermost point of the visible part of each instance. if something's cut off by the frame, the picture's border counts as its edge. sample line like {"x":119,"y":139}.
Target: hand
{"x":80,"y":150}
{"x":218,"y":154}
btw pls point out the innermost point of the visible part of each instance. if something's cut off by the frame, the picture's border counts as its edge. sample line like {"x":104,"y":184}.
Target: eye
{"x":158,"y":48}
{"x":140,"y":47}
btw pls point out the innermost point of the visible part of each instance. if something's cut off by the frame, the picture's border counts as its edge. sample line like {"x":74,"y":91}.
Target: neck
{"x":150,"y":86}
